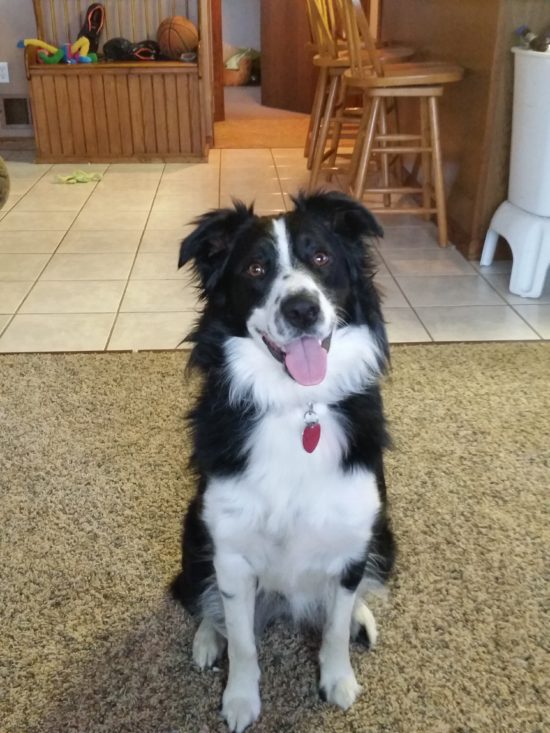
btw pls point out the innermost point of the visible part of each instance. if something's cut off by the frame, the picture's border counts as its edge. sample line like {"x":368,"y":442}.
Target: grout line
{"x":490,"y":284}
{"x":404,"y":295}
{"x":110,"y":312}
{"x":519,"y":315}
{"x":137,"y":252}
{"x":285,"y":207}
{"x":54,"y":252}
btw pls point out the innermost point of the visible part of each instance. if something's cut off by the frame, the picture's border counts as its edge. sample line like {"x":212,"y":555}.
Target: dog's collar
{"x":311,"y":433}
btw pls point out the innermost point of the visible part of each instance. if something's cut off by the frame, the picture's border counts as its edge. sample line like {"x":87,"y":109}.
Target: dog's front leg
{"x":237,"y":584}
{"x":338,"y":684}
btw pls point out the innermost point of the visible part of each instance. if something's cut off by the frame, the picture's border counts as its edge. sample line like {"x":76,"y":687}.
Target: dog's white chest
{"x":293,"y":515}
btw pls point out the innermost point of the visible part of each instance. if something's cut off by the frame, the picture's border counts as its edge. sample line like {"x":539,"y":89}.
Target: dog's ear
{"x":344,"y":215}
{"x":211,"y":242}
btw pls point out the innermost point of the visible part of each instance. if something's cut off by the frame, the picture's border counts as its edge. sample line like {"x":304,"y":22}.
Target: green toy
{"x":79,"y":177}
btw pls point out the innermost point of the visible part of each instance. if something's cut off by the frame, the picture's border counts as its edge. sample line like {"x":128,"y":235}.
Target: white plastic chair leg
{"x":489,"y":247}
{"x":529,"y":238}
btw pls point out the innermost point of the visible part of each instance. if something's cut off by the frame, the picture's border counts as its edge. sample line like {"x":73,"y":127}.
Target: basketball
{"x":177,"y":35}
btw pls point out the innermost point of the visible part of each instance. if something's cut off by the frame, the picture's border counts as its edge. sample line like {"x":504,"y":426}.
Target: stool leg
{"x":323,"y":134}
{"x":525,"y":260}
{"x":539,"y":278}
{"x":358,"y":185}
{"x":438,"y":173}
{"x":386,"y":198}
{"x":489,"y":247}
{"x":339,"y":113}
{"x":398,"y":164}
{"x":316,"y":114}
{"x":425,"y":141}
{"x":359,"y":139}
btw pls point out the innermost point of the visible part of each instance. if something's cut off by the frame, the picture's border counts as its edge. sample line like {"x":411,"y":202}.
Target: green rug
{"x":93,"y":486}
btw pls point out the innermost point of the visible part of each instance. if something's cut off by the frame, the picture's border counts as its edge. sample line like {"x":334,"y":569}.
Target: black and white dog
{"x":289,"y":518}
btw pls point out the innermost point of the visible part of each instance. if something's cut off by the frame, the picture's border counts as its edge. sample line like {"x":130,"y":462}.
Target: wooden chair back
{"x":364,"y":59}
{"x":59,"y":21}
{"x":372,"y":10}
{"x":322,"y":24}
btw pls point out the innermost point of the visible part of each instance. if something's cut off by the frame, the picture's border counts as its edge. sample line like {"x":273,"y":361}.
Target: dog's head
{"x":289,"y":282}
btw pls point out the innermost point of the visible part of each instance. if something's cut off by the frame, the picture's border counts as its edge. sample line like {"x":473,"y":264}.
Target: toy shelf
{"x":117,"y":111}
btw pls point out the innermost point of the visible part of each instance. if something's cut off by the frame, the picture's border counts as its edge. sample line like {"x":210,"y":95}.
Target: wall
{"x":241,"y":23}
{"x":16,"y":21}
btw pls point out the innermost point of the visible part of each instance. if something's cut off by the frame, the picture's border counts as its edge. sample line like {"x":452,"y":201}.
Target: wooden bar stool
{"x":380,"y":85}
{"x":332,"y":59}
{"x":330,"y":63}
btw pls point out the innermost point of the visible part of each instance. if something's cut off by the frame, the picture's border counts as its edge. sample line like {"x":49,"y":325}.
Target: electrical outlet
{"x":4,"y":73}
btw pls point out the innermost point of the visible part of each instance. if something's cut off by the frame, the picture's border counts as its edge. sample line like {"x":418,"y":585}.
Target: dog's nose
{"x":301,"y":310}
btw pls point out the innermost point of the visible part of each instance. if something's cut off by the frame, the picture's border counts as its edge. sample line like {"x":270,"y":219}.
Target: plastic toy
{"x":77,"y":52}
{"x":79,"y":177}
{"x":39,"y":44}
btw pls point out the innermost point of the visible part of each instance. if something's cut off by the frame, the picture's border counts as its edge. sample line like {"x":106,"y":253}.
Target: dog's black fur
{"x":221,"y":249}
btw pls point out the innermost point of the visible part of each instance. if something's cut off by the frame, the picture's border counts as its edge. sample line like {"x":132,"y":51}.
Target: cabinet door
{"x":288,"y":75}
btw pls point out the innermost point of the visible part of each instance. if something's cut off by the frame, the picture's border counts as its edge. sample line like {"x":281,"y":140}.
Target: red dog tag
{"x":310,"y":437}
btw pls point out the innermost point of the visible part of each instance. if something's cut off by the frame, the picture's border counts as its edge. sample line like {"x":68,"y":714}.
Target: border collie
{"x":289,"y":517}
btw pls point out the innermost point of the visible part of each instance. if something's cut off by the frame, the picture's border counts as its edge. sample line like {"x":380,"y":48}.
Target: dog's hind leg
{"x":363,"y":625}
{"x":208,"y":644}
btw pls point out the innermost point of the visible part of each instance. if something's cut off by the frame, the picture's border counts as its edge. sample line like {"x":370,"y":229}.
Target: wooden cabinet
{"x":109,"y":112}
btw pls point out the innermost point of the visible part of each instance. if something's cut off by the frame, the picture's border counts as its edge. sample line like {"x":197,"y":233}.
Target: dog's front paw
{"x":342,"y":691}
{"x":240,"y":709}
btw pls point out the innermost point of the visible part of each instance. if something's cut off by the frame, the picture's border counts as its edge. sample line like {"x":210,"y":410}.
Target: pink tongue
{"x":306,"y":361}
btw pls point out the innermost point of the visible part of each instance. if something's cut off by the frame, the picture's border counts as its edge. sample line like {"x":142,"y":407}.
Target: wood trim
{"x":120,"y":67}
{"x":217,"y":59}
{"x":206,"y":71}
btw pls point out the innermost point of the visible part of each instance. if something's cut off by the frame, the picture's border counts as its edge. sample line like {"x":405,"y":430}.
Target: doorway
{"x":248,"y":121}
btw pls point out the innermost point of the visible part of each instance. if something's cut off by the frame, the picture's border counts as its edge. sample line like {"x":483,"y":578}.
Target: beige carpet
{"x":249,"y":124}
{"x":264,"y":133}
{"x":93,"y":486}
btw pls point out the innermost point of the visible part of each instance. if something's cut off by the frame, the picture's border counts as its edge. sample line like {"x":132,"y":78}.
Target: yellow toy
{"x":78,"y":52}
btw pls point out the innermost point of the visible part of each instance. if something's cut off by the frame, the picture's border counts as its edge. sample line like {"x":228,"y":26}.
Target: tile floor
{"x":93,"y":266}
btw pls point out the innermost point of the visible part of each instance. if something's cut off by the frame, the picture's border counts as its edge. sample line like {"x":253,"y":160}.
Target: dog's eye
{"x":320,"y":259}
{"x":256,"y":270}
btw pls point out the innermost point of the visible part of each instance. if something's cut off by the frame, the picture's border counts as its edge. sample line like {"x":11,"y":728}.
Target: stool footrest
{"x":400,"y":189}
{"x":397,"y":149}
{"x":391,"y":137}
{"x":402,"y":210}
